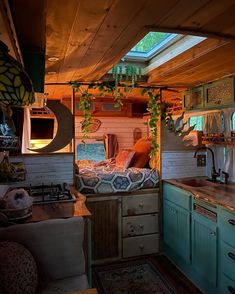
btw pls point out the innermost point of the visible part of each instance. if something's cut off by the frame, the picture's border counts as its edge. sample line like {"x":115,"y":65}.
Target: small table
{"x":87,"y":291}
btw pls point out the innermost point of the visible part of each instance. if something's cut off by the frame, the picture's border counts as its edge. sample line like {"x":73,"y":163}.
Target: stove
{"x":53,"y":193}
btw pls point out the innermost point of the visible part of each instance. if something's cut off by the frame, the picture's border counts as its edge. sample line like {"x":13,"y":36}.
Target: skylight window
{"x":152,"y":44}
{"x":151,"y":40}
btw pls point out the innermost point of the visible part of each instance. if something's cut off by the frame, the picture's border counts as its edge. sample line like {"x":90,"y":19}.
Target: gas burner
{"x":43,"y":194}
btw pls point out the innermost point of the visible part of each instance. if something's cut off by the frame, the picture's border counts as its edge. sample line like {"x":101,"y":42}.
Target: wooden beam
{"x":219,"y":36}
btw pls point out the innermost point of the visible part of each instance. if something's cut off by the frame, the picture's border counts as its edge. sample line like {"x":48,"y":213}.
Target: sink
{"x":196,"y":182}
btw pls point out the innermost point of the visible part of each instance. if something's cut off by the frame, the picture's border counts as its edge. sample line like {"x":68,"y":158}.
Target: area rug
{"x":134,"y":277}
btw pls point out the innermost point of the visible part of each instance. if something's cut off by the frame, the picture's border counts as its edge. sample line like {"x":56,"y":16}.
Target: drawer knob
{"x":231,"y":289}
{"x":141,"y":246}
{"x":232,"y":222}
{"x":141,"y":204}
{"x":141,"y":226}
{"x":231,"y":255}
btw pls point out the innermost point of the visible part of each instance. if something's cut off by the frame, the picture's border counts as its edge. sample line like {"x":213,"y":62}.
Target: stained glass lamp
{"x":16,"y":88}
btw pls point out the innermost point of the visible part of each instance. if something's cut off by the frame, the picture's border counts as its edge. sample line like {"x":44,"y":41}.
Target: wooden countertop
{"x":220,"y":194}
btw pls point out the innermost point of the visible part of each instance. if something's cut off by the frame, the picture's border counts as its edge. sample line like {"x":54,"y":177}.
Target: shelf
{"x":204,"y":142}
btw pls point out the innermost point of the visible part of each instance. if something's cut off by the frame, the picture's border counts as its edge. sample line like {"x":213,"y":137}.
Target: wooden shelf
{"x":226,"y":140}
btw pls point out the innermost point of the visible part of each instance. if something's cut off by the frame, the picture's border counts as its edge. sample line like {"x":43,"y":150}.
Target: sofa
{"x":56,"y":245}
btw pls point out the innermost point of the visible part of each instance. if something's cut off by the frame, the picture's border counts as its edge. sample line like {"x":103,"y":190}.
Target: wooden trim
{"x":219,"y":36}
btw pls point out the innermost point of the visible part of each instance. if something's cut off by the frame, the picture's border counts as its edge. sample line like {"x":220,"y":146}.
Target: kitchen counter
{"x":42,"y":212}
{"x":215,"y":193}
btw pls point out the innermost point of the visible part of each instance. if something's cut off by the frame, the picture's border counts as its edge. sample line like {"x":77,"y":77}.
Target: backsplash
{"x":180,"y":164}
{"x":56,"y":168}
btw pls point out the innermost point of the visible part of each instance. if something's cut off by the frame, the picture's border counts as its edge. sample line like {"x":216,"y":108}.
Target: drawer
{"x":227,"y":285}
{"x":227,"y":226}
{"x":139,"y":204}
{"x":228,"y":260}
{"x":139,"y":225}
{"x":141,"y":245}
{"x":177,"y":195}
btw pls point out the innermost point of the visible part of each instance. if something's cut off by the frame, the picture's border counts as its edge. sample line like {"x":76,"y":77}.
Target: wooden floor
{"x":179,"y":282}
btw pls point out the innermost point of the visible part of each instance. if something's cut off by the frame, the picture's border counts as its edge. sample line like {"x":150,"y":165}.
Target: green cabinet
{"x":193,"y":99}
{"x":216,"y":94}
{"x":176,"y":222}
{"x":204,"y":247}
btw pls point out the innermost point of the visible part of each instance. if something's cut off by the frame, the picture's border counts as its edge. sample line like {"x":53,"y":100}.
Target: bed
{"x":126,"y":172}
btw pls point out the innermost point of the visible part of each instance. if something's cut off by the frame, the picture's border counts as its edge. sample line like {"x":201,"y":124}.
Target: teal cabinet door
{"x":204,"y":248}
{"x":176,"y":229}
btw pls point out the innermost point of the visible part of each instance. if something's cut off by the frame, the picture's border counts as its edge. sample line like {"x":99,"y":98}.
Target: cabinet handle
{"x":141,"y":204}
{"x":231,"y":289}
{"x":212,"y":233}
{"x":231,"y":255}
{"x":141,"y":246}
{"x":232,"y":222}
{"x":141,"y":226}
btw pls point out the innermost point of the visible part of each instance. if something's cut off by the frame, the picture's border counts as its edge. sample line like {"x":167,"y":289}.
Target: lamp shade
{"x":16,"y":88}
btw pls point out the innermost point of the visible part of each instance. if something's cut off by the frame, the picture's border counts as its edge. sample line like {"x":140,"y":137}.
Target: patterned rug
{"x":134,"y":277}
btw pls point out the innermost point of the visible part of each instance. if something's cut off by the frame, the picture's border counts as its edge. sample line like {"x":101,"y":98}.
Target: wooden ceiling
{"x":90,"y":36}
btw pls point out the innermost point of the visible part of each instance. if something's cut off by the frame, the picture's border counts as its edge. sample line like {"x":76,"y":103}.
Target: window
{"x":233,"y":122}
{"x":198,"y":121}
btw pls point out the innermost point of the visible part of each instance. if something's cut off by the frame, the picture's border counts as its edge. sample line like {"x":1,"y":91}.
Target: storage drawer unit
{"x":227,"y":223}
{"x":227,"y":285}
{"x":139,"y":225}
{"x":139,"y":204}
{"x":228,"y":260}
{"x":140,"y":245}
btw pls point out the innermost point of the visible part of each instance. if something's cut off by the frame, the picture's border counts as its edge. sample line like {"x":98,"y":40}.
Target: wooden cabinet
{"x":193,"y":99}
{"x":105,"y":227}
{"x":124,"y":225}
{"x":140,"y":229}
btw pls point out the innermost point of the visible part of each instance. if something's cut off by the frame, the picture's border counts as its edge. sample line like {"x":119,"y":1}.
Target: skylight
{"x":151,"y":40}
{"x":151,"y":44}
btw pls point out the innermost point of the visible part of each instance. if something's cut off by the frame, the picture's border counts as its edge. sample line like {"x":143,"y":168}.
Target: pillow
{"x":124,"y":158}
{"x":142,"y":149}
{"x":18,"y":270}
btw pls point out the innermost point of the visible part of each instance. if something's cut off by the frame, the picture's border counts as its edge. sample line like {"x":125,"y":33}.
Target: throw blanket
{"x":106,"y":178}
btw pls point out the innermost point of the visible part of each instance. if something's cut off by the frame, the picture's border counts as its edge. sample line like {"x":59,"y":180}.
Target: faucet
{"x":214,"y":173}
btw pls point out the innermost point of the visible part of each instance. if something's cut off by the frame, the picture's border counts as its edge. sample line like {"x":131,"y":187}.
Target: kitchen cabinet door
{"x":105,"y":227}
{"x":204,"y":248}
{"x":193,"y":99}
{"x":176,"y":229}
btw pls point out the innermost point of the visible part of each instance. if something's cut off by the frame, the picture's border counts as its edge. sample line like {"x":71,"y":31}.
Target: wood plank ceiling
{"x":90,"y":36}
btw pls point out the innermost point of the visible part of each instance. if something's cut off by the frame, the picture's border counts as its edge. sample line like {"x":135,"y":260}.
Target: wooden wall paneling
{"x":82,"y":37}
{"x":135,"y":30}
{"x":122,"y":127}
{"x":56,"y":168}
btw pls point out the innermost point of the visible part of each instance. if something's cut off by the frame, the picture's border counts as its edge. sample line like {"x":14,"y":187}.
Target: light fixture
{"x":53,"y":58}
{"x":50,"y":73}
{"x":16,"y":88}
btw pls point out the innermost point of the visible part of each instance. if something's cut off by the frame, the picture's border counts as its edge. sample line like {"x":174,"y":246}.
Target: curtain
{"x":212,"y":123}
{"x":26,"y":131}
{"x":110,"y":145}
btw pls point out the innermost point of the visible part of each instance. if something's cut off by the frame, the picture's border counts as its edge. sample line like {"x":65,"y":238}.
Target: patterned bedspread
{"x":106,"y":178}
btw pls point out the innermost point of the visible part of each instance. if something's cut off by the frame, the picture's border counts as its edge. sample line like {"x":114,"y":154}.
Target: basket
{"x":17,"y":214}
{"x":15,"y":176}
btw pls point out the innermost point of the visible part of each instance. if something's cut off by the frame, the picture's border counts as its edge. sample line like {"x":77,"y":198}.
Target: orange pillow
{"x":142,"y":149}
{"x":124,"y":158}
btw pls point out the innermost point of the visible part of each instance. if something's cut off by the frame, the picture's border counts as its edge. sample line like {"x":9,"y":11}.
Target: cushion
{"x":124,"y":158}
{"x":142,"y":149}
{"x":18,"y":270}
